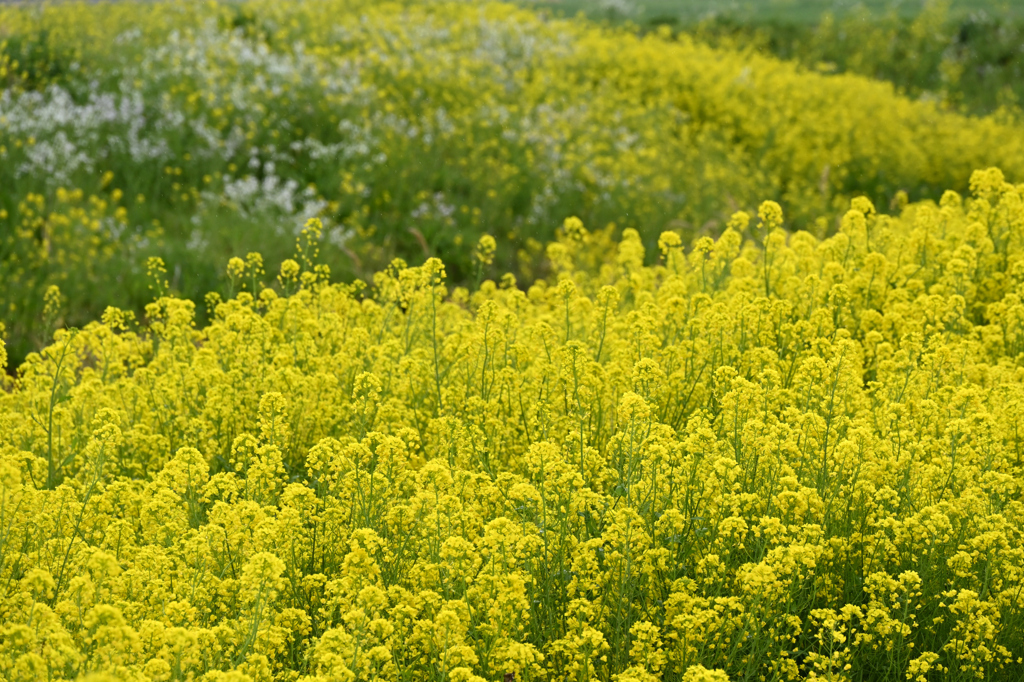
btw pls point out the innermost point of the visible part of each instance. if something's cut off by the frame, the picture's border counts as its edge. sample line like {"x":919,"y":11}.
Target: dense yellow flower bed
{"x":767,"y":457}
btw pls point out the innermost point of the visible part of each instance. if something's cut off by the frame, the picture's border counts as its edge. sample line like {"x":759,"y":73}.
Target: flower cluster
{"x":768,"y":456}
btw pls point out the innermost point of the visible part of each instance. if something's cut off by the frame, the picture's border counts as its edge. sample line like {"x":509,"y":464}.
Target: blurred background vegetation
{"x":473,"y":169}
{"x":966,"y":53}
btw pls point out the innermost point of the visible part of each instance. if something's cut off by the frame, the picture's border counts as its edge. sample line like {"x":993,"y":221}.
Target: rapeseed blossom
{"x":762,"y":456}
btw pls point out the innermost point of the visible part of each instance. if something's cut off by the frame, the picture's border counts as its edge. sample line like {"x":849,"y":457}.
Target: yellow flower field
{"x":339,"y":393}
{"x":193,"y":131}
{"x":768,"y":457}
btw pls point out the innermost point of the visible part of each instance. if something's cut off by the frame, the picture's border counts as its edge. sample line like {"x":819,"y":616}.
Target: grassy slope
{"x":789,"y":11}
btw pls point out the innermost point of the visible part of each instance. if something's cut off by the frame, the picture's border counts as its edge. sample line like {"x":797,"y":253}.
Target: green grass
{"x":758,"y":11}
